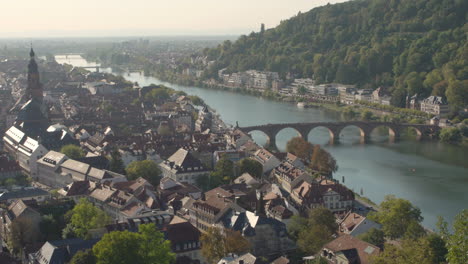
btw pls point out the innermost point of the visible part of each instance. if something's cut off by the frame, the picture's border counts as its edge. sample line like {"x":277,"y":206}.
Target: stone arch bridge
{"x":334,"y":128}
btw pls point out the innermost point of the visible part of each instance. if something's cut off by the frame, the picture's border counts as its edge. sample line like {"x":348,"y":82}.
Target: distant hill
{"x":413,"y":46}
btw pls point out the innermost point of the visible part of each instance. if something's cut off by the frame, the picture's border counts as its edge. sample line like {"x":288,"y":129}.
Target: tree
{"x":50,"y":228}
{"x":450,"y":135}
{"x":72,"y":151}
{"x":437,"y":245}
{"x":217,"y":243}
{"x":323,"y":161}
{"x":457,"y":93}
{"x":147,"y":169}
{"x":22,"y":233}
{"x":223,"y":173}
{"x":396,"y":215}
{"x":317,"y":158}
{"x":373,"y":236}
{"x":456,"y":243}
{"x":86,"y":216}
{"x":300,"y":147}
{"x":366,"y":115}
{"x":313,"y":232}
{"x":84,"y":257}
{"x":116,"y":162}
{"x":313,"y":240}
{"x":409,"y":252}
{"x":323,"y":217}
{"x":251,"y":166}
{"x":123,"y":247}
{"x":414,"y":230}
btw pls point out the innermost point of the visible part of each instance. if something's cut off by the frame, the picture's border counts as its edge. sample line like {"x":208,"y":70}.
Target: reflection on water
{"x":432,"y":175}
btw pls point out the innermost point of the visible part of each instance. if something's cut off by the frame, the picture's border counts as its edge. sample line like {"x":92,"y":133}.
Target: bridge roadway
{"x":335,"y":128}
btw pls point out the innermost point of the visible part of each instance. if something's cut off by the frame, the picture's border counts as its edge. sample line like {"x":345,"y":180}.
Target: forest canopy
{"x":415,"y":47}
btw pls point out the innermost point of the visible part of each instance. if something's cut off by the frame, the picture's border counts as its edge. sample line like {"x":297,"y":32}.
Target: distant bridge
{"x":335,"y":128}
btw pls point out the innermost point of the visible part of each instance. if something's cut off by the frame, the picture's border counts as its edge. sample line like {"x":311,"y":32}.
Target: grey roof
{"x":76,"y":166}
{"x":246,"y":222}
{"x":435,"y":100}
{"x":52,"y":158}
{"x":97,"y":173}
{"x":61,"y":251}
{"x":22,"y":193}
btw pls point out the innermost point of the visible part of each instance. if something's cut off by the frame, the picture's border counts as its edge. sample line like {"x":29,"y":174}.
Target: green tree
{"x":251,"y":166}
{"x":437,"y":245}
{"x":147,"y":169}
{"x":366,"y":115}
{"x":22,"y":233}
{"x":450,"y":135}
{"x":50,"y":228}
{"x":72,"y":151}
{"x":224,"y":169}
{"x":116,"y":162}
{"x":313,"y":232}
{"x":373,"y":236}
{"x":84,"y":257}
{"x":396,"y":215}
{"x":457,"y":243}
{"x":217,"y":243}
{"x":313,"y":240}
{"x":414,"y":230}
{"x":410,"y":252}
{"x":86,"y":216}
{"x":457,"y":93}
{"x":123,"y":247}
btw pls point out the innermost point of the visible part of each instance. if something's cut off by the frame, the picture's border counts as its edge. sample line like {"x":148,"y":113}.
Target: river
{"x":432,"y":175}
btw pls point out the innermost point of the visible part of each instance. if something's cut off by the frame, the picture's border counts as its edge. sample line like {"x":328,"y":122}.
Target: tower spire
{"x":34,"y":85}
{"x":31,"y":53}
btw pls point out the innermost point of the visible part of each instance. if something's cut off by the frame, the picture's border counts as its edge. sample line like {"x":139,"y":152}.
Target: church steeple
{"x":34,"y":89}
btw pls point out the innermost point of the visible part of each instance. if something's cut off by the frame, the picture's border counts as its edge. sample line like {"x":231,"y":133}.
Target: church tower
{"x":33,"y":118}
{"x":34,"y":89}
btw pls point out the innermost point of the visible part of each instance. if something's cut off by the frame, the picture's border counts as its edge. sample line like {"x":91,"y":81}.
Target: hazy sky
{"x":52,"y":18}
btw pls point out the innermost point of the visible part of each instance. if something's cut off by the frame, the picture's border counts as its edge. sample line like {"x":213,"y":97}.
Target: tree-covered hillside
{"x":414,"y":46}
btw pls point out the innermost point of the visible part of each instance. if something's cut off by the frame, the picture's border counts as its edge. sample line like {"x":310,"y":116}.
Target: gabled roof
{"x":345,"y":243}
{"x":184,"y":158}
{"x":61,"y":251}
{"x":247,"y":179}
{"x":18,"y":208}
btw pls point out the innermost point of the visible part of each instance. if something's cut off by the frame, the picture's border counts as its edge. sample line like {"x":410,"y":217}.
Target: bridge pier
{"x":334,"y":137}
{"x":393,"y":135}
{"x":271,"y":143}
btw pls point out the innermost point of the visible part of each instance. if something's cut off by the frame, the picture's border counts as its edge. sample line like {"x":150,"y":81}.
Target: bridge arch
{"x":321,"y":130}
{"x":285,"y":134}
{"x":393,"y":132}
{"x":363,"y":133}
{"x":415,"y":129}
{"x":258,"y":134}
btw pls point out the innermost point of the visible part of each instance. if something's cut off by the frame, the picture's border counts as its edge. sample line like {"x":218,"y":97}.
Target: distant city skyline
{"x":90,"y":18}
